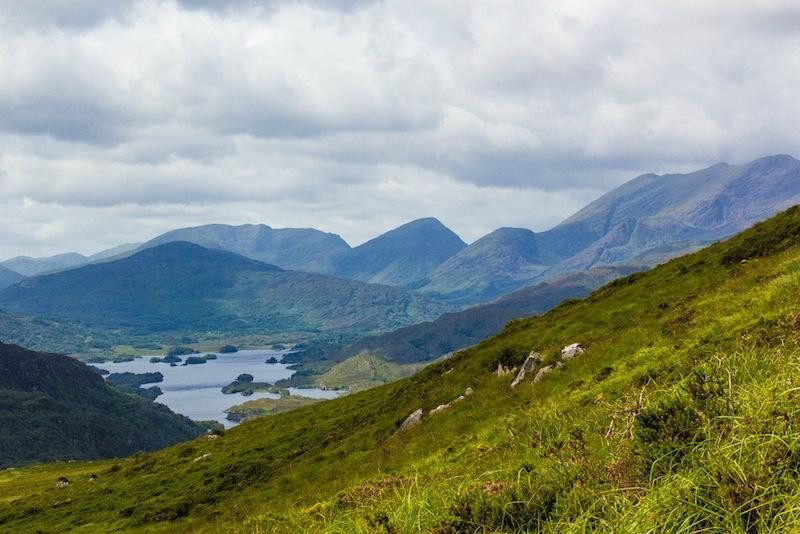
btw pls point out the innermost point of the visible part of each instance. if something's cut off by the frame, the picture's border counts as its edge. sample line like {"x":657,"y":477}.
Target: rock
{"x":440,"y":408}
{"x":570,"y":351}
{"x":448,"y":371}
{"x":203,"y":457}
{"x":533,"y":359}
{"x":62,"y":483}
{"x":411,"y":421}
{"x":504,"y":371}
{"x":213,"y":437}
{"x":92,"y":477}
{"x":544,"y":370}
{"x":458,"y":399}
{"x":469,"y":391}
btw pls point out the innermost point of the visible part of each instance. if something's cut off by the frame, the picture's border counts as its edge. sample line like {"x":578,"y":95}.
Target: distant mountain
{"x":643,"y":222}
{"x":9,"y":277}
{"x":184,"y":287}
{"x":289,"y":248}
{"x":53,"y":407}
{"x":29,"y":266}
{"x":114,"y":252}
{"x":457,"y":330}
{"x":493,"y":265}
{"x":399,"y":257}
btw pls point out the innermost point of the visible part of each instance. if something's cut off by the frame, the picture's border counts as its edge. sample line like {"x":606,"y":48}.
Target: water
{"x":195,"y":390}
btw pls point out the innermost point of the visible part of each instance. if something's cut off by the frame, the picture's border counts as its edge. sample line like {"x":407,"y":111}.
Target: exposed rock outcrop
{"x":504,"y":371}
{"x":62,"y":483}
{"x":411,"y":421}
{"x":469,"y":391}
{"x":440,"y":408}
{"x":570,"y":351}
{"x":544,"y":370}
{"x":533,"y":359}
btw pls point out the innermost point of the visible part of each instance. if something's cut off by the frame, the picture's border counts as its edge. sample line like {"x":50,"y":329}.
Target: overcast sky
{"x":121,"y":120}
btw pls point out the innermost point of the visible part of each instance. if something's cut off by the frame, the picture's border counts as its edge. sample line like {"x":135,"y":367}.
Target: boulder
{"x":544,"y":370}
{"x":440,"y":408}
{"x":504,"y":371}
{"x":62,"y":483}
{"x":533,"y":359}
{"x":570,"y":351}
{"x":469,"y":391}
{"x":203,"y":457}
{"x":458,"y":399}
{"x":411,"y":421}
{"x":213,"y":437}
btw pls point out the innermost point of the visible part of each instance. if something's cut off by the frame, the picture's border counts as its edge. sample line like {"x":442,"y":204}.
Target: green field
{"x":682,"y":416}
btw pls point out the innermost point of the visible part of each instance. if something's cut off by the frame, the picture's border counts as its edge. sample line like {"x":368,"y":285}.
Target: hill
{"x":289,"y":248}
{"x":55,"y":408}
{"x":184,"y":287}
{"x":457,"y":330}
{"x":679,"y":415}
{"x":9,"y":277}
{"x":645,"y":221}
{"x":399,"y":257}
{"x":28,"y":266}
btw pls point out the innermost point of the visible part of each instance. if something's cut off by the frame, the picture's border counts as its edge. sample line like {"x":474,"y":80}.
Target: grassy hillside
{"x":55,"y":408}
{"x":682,"y":415}
{"x":184,"y":287}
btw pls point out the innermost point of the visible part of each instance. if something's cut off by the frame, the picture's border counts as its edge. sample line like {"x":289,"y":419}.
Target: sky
{"x":121,"y":120}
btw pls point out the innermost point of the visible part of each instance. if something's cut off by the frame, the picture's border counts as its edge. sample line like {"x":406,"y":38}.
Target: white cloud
{"x":134,"y":117}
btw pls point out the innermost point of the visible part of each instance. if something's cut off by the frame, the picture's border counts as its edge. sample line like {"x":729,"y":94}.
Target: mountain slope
{"x":645,"y":221}
{"x":9,"y":277}
{"x":457,"y":330}
{"x":399,"y":257}
{"x":290,"y":248}
{"x":29,"y":266}
{"x":55,"y":408}
{"x":680,"y":415}
{"x":182,"y":286}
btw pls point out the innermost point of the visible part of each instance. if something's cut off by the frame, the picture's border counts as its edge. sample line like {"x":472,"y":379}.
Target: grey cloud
{"x":69,"y":14}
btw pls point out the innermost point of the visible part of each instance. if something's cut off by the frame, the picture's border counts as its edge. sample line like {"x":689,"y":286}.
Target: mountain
{"x":643,"y":222}
{"x":400,"y":257}
{"x":28,"y":266}
{"x":493,"y":265}
{"x":114,"y":252}
{"x":679,"y":415}
{"x":9,"y":277}
{"x":53,"y":407}
{"x":289,"y":248}
{"x":181,"y":286}
{"x":457,"y":330}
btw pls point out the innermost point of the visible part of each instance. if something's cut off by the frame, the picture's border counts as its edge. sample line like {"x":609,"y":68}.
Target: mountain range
{"x":53,"y":407}
{"x":643,"y":222}
{"x":182,"y":286}
{"x":9,"y":277}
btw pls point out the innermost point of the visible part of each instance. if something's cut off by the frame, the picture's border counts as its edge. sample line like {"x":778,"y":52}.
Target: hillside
{"x":400,"y":257}
{"x":289,"y":248}
{"x":28,"y":266}
{"x":9,"y":277}
{"x":680,"y":415}
{"x":645,"y":221}
{"x":184,"y":287}
{"x":457,"y":330}
{"x":55,"y":408}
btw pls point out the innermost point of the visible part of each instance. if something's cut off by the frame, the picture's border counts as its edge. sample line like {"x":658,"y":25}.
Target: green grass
{"x":682,"y":416}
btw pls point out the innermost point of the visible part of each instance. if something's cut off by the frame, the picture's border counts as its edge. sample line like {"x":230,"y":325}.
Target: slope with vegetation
{"x":53,"y":407}
{"x":682,"y":415}
{"x":184,"y":287}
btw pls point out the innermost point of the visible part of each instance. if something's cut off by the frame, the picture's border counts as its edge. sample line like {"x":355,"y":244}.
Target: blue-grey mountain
{"x":9,"y":277}
{"x":643,"y":222}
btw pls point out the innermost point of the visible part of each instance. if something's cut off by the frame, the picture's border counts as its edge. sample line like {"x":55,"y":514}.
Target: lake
{"x":195,"y":390}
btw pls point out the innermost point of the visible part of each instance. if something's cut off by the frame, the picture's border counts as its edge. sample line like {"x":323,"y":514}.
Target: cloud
{"x":356,"y":115}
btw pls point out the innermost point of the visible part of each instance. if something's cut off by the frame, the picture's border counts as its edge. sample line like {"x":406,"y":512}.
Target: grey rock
{"x":570,"y":351}
{"x":440,"y":408}
{"x":469,"y":391}
{"x":544,"y":370}
{"x":411,"y":421}
{"x":533,"y":359}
